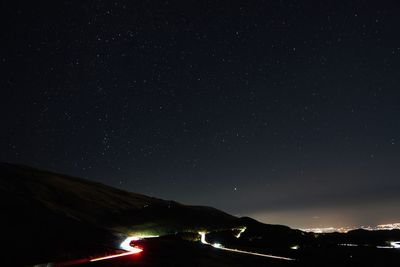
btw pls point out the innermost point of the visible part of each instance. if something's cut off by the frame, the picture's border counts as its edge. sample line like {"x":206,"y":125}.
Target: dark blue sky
{"x":284,"y":110}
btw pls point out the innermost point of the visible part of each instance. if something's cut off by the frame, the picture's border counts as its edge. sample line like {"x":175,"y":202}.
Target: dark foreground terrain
{"x":170,"y":252}
{"x":53,"y":218}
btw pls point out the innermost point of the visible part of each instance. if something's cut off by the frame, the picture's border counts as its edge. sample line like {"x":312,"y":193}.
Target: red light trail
{"x":133,"y":251}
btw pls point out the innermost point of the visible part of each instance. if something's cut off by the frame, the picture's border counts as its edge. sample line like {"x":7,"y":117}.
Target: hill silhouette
{"x":52,"y":216}
{"x":49,"y":217}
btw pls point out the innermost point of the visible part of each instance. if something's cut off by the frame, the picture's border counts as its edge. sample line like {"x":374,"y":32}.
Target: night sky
{"x":286,"y":111}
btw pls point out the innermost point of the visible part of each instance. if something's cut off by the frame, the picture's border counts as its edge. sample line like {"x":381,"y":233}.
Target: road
{"x":136,"y":251}
{"x":126,"y":245}
{"x":219,"y":246}
{"x":130,"y":249}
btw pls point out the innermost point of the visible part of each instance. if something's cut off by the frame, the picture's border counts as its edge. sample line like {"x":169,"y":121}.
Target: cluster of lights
{"x":390,"y":226}
{"x":326,"y":230}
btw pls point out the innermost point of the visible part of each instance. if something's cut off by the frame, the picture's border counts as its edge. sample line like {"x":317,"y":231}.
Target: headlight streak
{"x":219,"y":246}
{"x":241,"y":231}
{"x":126,"y":245}
{"x":134,"y":251}
{"x":395,"y":244}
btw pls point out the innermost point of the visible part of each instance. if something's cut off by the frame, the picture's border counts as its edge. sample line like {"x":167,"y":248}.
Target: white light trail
{"x":241,"y":232}
{"x":395,"y":244}
{"x":348,"y":245}
{"x":219,"y":246}
{"x":203,"y":238}
{"x":126,"y":244}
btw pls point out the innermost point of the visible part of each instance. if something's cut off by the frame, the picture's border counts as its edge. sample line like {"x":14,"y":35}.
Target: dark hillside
{"x":49,"y":216}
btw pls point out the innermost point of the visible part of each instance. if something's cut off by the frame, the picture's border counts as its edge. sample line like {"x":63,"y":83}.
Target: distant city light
{"x":390,"y":226}
{"x":294,"y":247}
{"x":324,"y":230}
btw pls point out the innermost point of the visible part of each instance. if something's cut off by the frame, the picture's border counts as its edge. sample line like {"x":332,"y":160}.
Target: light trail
{"x":393,"y":244}
{"x":348,"y":245}
{"x":126,"y":245}
{"x":241,"y":232}
{"x":219,"y":246}
{"x":136,"y":251}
